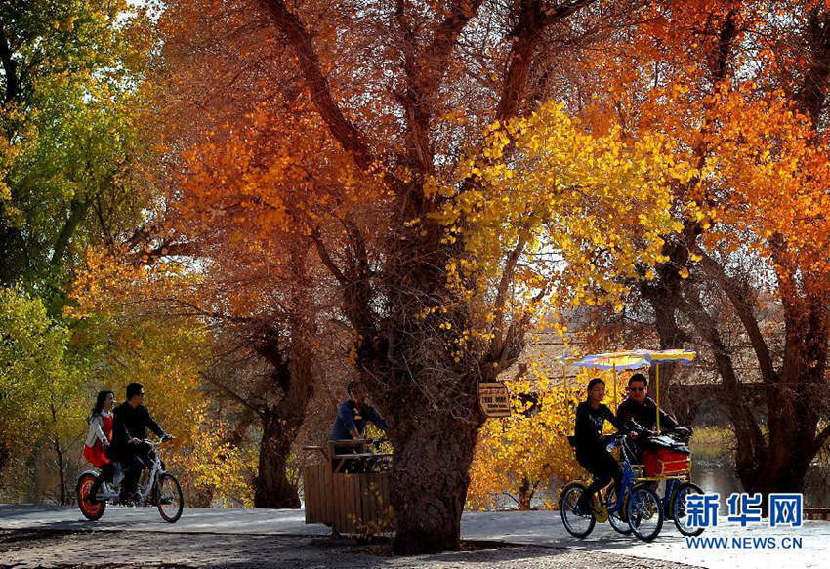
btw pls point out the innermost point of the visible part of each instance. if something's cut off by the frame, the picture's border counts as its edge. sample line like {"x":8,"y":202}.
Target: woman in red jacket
{"x":100,"y":430}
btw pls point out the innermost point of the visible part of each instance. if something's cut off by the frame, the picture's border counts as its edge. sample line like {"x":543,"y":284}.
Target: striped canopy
{"x":665,"y":356}
{"x":633,"y":359}
{"x":630,"y":359}
{"x":608,"y":360}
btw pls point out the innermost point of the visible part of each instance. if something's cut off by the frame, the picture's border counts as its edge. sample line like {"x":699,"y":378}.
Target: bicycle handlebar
{"x":160,"y":441}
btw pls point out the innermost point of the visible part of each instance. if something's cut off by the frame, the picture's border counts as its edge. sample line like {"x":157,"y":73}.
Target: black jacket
{"x":644,"y":414}
{"x":129,"y":421}
{"x":588,"y":427}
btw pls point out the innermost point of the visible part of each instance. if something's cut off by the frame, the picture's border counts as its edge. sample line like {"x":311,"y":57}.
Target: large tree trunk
{"x":793,"y":402}
{"x":433,"y":453}
{"x":282,"y":422}
{"x":280,"y":425}
{"x":430,"y":399}
{"x":294,"y":374}
{"x":273,"y":488}
{"x":526,"y":492}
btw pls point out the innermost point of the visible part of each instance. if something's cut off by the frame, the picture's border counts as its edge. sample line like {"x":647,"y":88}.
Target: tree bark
{"x":526,"y":492}
{"x":294,"y":374}
{"x":61,"y":472}
{"x":77,"y":211}
{"x":664,"y":295}
{"x":433,"y":453}
{"x":280,"y":425}
{"x":273,"y":488}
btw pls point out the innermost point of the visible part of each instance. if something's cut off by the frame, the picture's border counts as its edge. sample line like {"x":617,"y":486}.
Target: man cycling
{"x":129,"y":429}
{"x":641,"y":408}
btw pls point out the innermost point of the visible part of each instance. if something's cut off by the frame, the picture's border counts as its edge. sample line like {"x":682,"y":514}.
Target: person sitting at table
{"x":352,"y":417}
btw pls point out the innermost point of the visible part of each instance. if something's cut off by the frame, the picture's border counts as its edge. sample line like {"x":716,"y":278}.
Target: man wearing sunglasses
{"x":641,"y":408}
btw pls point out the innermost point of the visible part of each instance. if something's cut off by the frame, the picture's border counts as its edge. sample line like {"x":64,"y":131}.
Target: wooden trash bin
{"x":350,"y":503}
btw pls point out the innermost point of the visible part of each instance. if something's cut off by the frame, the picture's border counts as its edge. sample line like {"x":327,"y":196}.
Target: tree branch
{"x":562,"y":11}
{"x":9,"y":68}
{"x":424,"y":75}
{"x":325,"y":257}
{"x":821,"y":438}
{"x":77,"y":210}
{"x":726,"y":36}
{"x":746,"y":427}
{"x":358,"y":246}
{"x":356,"y":290}
{"x":498,"y":340}
{"x":534,"y":17}
{"x":233,"y":394}
{"x":812,"y":94}
{"x":341,"y":128}
{"x":742,"y":307}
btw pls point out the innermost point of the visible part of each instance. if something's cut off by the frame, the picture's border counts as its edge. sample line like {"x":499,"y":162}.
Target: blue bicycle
{"x":637,"y":509}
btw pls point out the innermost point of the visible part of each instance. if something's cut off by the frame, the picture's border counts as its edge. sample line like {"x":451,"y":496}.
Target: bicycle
{"x":677,"y":474}
{"x":157,"y":487}
{"x":637,"y":509}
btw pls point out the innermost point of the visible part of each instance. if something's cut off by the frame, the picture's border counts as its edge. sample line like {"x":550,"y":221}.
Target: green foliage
{"x":69,"y":120}
{"x":40,"y":397}
{"x":713,"y":444}
{"x":32,"y":362}
{"x":70,"y":178}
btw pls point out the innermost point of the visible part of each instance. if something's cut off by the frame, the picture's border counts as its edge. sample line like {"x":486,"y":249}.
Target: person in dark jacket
{"x":590,"y":445}
{"x":641,"y":408}
{"x":129,"y":429}
{"x":352,"y":417}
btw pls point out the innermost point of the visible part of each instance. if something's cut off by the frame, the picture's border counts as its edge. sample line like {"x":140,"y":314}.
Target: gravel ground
{"x":108,"y":550}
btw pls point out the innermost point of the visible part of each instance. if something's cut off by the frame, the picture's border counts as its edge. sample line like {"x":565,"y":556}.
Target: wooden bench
{"x":350,"y":503}
{"x":817,"y":513}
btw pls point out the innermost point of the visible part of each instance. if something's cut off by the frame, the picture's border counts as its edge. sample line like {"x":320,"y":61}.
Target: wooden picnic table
{"x":348,"y":502}
{"x":817,"y":513}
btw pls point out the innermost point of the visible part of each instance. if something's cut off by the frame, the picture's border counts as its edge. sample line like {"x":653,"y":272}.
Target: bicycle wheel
{"x":169,"y":498}
{"x":91,"y":508}
{"x":678,"y":508}
{"x":577,"y":523}
{"x":645,"y":514}
{"x":617,"y":519}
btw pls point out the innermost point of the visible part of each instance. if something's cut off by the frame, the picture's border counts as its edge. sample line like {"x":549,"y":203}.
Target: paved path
{"x":45,"y":549}
{"x":538,"y":528}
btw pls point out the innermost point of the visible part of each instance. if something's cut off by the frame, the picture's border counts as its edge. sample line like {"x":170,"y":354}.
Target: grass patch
{"x":713,"y":444}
